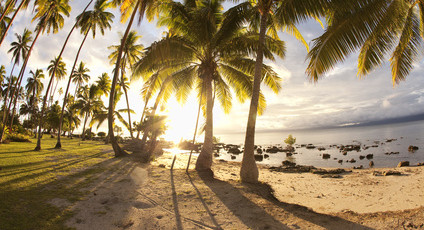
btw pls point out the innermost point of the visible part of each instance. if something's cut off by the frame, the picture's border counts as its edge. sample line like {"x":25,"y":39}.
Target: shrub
{"x":290,"y":140}
{"x":101,"y":134}
{"x":16,"y":137}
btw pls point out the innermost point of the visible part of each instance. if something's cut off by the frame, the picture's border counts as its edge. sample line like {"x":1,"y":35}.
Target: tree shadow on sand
{"x":254,"y":215}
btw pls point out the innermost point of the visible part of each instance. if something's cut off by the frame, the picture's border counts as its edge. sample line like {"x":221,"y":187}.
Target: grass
{"x":30,"y":180}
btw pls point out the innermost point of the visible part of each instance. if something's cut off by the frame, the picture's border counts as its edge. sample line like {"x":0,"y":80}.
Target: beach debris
{"x":321,"y":148}
{"x":403,"y":164}
{"x":326,"y":156}
{"x":259,"y":157}
{"x":371,"y":164}
{"x":412,"y":148}
{"x":391,"y":153}
{"x":390,"y":140}
{"x":361,"y":157}
{"x":320,"y":171}
{"x":288,"y":163}
{"x":292,"y":169}
{"x":386,"y":173}
{"x":369,"y":156}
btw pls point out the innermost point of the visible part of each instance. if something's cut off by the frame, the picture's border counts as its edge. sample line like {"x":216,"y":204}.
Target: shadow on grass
{"x":29,"y":207}
{"x":255,"y":217}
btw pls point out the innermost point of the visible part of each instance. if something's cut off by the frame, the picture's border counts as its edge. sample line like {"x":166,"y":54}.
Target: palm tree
{"x":103,"y":83}
{"x":88,"y":102}
{"x":49,"y":13}
{"x":35,"y":86}
{"x":5,"y":21}
{"x":375,"y":28}
{"x":132,"y":54}
{"x":2,"y":77}
{"x":70,"y":115}
{"x":20,"y":51}
{"x":23,"y":5}
{"x":59,"y":74}
{"x":267,"y":17}
{"x":89,"y":20}
{"x":208,"y":48}
{"x":80,"y":76}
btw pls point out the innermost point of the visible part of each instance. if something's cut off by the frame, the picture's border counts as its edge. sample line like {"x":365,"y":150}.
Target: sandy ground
{"x":154,"y":197}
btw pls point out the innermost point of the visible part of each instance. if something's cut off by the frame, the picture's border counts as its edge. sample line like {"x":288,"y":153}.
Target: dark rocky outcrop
{"x":403,"y":164}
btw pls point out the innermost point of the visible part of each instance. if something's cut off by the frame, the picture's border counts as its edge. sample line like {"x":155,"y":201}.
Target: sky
{"x":339,"y":98}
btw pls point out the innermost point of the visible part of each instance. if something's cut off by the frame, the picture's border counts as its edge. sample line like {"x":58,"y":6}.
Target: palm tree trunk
{"x":53,"y":92}
{"x":83,"y":127}
{"x":204,"y":161}
{"x":6,"y":9}
{"x":11,"y":21}
{"x":118,"y":151}
{"x":195,"y":129}
{"x":149,"y":94}
{"x":15,"y":103}
{"x":249,"y":170}
{"x":128,"y":104}
{"x":58,"y":144}
{"x":5,"y":103}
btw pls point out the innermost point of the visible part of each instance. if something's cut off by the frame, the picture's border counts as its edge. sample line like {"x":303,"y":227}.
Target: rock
{"x":420,"y":164}
{"x":233,"y":157}
{"x":216,"y":154}
{"x":351,"y":160}
{"x":321,"y":148}
{"x":161,"y":166}
{"x":359,"y":167}
{"x":310,"y":146}
{"x":412,"y":148}
{"x":331,"y":176}
{"x":403,"y":164}
{"x":292,"y":169}
{"x":234,"y":150}
{"x":361,"y":157}
{"x":329,"y":171}
{"x":371,"y":164}
{"x":288,"y":154}
{"x":340,"y":161}
{"x":370,"y":156}
{"x":259,"y":151}
{"x":266,"y":156}
{"x":391,"y":172}
{"x":391,"y":153}
{"x":349,"y":148}
{"x":326,"y":156}
{"x":344,"y":153}
{"x":272,"y":150}
{"x":259,"y":157}
{"x":288,"y":163}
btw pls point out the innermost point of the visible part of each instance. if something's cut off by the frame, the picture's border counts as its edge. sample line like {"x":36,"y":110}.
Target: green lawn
{"x":30,"y":180}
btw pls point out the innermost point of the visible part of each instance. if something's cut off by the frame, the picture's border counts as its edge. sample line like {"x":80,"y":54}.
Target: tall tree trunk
{"x":11,"y":21}
{"x":38,"y":147}
{"x":15,"y":101}
{"x":58,"y":144}
{"x":126,"y":95}
{"x":21,"y":74}
{"x":5,"y":104}
{"x":83,"y":127}
{"x":6,"y":9}
{"x":249,"y":170}
{"x":204,"y":161}
{"x":118,"y":151}
{"x":149,"y":94}
{"x":195,"y":129}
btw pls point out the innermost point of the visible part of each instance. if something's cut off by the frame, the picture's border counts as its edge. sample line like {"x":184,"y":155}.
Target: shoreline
{"x":359,"y":190}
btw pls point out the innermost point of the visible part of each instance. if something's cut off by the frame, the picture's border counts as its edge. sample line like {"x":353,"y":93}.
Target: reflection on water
{"x":380,"y":140}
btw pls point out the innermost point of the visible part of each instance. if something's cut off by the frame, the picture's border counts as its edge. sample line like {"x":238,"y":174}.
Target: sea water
{"x":386,"y":139}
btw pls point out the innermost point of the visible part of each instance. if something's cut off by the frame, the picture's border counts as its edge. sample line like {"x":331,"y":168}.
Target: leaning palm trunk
{"x":249,"y":171}
{"x":5,"y":104}
{"x":58,"y":144}
{"x":204,"y":161}
{"x":11,"y":21}
{"x":6,"y":9}
{"x":118,"y":151}
{"x":15,"y":103}
{"x":83,"y":127}
{"x":21,"y":73}
{"x":144,"y":110}
{"x":126,"y":98}
{"x":195,"y":129}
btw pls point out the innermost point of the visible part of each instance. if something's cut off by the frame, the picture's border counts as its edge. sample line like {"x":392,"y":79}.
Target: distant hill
{"x":417,"y":117}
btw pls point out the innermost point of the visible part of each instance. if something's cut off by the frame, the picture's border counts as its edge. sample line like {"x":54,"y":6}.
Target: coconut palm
{"x":88,"y":102}
{"x":2,"y":78}
{"x":6,"y":9}
{"x":5,"y":20}
{"x":129,"y":8}
{"x":103,"y":83}
{"x":80,"y":76}
{"x":208,"y":48}
{"x":267,"y":17}
{"x":23,"y":5}
{"x":34,"y":86}
{"x":20,"y":50}
{"x":58,"y":75}
{"x":91,"y":20}
{"x":131,"y":54}
{"x":377,"y":29}
{"x":71,"y":115}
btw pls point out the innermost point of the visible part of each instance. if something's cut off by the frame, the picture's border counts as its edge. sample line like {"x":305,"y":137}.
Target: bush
{"x":101,"y":134}
{"x":290,"y":140}
{"x":16,"y":137}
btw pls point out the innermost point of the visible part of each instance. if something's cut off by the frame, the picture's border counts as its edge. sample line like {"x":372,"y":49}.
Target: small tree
{"x":290,"y":140}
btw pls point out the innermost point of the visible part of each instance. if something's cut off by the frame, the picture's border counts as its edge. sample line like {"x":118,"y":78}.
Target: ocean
{"x":388,"y":144}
